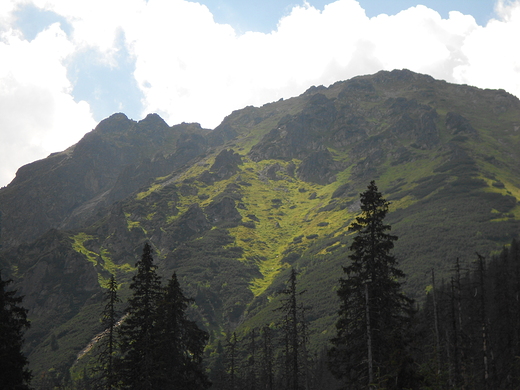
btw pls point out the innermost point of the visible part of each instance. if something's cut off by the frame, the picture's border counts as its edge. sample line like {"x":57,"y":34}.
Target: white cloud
{"x":37,"y":113}
{"x":190,"y":68}
{"x":493,"y":58}
{"x":196,"y":70}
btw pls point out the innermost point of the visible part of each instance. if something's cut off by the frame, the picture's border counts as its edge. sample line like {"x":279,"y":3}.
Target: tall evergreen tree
{"x":138,"y":330}
{"x":179,"y":343}
{"x":13,"y":322}
{"x":267,"y":371}
{"x":294,"y":335}
{"x":374,"y":313}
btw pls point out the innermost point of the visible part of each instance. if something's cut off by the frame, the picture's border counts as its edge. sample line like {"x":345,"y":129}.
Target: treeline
{"x":274,"y":356}
{"x":466,"y":335}
{"x":471,"y":325}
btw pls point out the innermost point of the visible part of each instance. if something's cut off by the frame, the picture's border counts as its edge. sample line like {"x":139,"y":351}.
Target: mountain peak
{"x":230,"y":210}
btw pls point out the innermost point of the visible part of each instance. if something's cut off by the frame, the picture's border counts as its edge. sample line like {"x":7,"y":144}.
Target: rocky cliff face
{"x":230,"y":210}
{"x":109,"y":163}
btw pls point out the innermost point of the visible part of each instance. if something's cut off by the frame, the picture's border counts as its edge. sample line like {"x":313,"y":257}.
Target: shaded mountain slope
{"x":108,"y":164}
{"x":272,"y":187}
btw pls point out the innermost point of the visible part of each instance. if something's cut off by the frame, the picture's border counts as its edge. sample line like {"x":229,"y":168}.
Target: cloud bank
{"x":188,"y":68}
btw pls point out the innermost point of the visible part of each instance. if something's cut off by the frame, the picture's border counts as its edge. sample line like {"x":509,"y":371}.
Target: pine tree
{"x":13,"y":322}
{"x":137,"y":332}
{"x":374,"y":313}
{"x":179,"y":343}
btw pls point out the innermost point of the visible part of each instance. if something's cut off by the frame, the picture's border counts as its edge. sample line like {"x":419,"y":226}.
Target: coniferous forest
{"x":465,"y":335}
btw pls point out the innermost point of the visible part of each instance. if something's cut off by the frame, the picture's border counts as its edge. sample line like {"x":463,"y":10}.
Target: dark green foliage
{"x":448,"y":224}
{"x":374,"y":315}
{"x":479,"y":325}
{"x":160,"y":347}
{"x":128,"y":182}
{"x":13,"y":321}
{"x":217,"y":280}
{"x":138,"y":330}
{"x":428,"y":185}
{"x":294,"y":338}
{"x":179,"y":344}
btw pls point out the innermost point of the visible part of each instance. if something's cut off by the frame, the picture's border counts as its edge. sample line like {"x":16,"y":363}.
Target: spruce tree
{"x":374,"y":314}
{"x":13,"y":322}
{"x":294,"y":335}
{"x":179,"y":343}
{"x":137,"y":332}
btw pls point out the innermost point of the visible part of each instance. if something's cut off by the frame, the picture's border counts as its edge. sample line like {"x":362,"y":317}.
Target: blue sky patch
{"x":107,"y":89}
{"x":32,"y":20}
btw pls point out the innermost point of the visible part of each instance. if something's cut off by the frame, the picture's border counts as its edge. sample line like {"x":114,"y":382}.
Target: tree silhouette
{"x":137,"y":331}
{"x":13,"y":323}
{"x":179,"y":343}
{"x":293,"y":330}
{"x":374,"y":314}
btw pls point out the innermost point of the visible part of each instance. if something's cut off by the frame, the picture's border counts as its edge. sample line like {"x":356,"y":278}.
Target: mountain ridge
{"x":231,"y":210}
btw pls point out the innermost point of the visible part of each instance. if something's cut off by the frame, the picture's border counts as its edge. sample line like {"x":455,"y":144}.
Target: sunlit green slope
{"x":276,"y":187}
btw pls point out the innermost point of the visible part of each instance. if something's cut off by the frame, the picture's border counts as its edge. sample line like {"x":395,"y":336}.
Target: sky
{"x":66,"y":65}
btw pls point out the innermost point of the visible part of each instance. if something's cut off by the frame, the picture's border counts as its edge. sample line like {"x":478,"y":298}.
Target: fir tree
{"x":374,"y":313}
{"x":138,"y":330}
{"x":13,"y":322}
{"x":179,"y":343}
{"x":294,"y":335}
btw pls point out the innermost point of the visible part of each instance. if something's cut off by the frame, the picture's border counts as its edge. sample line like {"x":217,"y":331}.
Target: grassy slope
{"x":437,"y":219}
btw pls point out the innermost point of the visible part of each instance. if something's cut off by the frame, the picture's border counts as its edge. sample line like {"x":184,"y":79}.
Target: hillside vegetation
{"x":233,"y":209}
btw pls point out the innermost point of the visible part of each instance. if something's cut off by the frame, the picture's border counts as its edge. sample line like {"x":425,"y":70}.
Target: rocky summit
{"x":271,"y":188}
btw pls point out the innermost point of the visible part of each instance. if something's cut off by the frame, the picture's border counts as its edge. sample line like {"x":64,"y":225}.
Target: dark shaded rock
{"x":342,"y":191}
{"x":223,"y":211}
{"x":319,"y":167}
{"x":225,"y":165}
{"x":457,"y":124}
{"x":401,"y":155}
{"x":187,"y":190}
{"x":222,"y":133}
{"x":253,"y":217}
{"x":368,"y":167}
{"x":297,"y":136}
{"x":276,"y":171}
{"x":349,"y":129}
{"x":192,"y":223}
{"x":359,"y":88}
{"x":271,"y":171}
{"x":70,"y":188}
{"x":415,"y":121}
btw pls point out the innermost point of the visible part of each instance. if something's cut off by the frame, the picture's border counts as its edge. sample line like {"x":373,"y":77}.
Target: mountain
{"x":231,"y":210}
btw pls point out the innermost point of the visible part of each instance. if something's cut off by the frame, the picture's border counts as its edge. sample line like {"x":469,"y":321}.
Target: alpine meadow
{"x":358,"y":236}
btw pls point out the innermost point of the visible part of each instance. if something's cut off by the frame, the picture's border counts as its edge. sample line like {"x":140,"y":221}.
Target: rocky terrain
{"x":272,"y":187}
